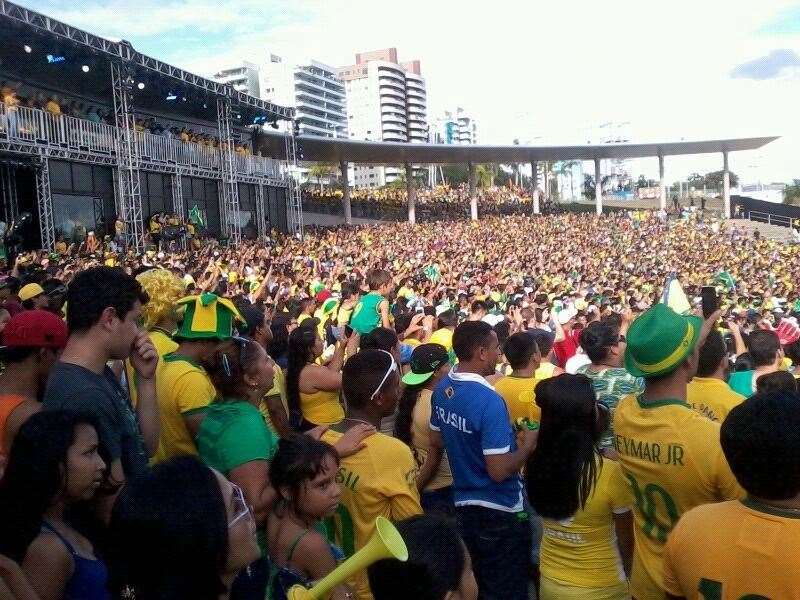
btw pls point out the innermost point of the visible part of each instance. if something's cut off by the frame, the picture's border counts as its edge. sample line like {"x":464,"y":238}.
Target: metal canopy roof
{"x":319,"y":149}
{"x":124,"y":52}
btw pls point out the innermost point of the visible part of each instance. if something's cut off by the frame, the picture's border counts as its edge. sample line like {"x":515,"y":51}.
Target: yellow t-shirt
{"x":278,"y":389}
{"x":183,"y":388}
{"x":321,"y":407}
{"x":164,"y":345}
{"x":420,"y":438}
{"x":712,"y":397}
{"x":377,"y":481}
{"x":582,"y":551}
{"x":444,"y":337}
{"x":673,"y":460}
{"x":544,"y":371}
{"x":734,"y":550}
{"x":519,"y":397}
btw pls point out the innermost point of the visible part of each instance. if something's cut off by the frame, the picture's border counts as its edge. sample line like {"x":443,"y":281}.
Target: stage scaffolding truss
{"x":293,"y":197}
{"x":229,"y":188}
{"x":45,"y":203}
{"x":129,"y":185}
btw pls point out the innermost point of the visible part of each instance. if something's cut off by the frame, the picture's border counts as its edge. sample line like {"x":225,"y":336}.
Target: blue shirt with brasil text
{"x":474,"y":423}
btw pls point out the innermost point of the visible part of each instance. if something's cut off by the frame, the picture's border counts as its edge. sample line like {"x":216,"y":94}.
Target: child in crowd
{"x":373,"y":309}
{"x":303,"y":473}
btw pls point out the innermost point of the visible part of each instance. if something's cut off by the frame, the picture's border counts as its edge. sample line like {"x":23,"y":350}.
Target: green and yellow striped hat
{"x":207,"y":317}
{"x":659,"y":340}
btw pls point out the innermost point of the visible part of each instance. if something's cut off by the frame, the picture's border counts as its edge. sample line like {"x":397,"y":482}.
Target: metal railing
{"x":21,"y":123}
{"x":769,"y":218}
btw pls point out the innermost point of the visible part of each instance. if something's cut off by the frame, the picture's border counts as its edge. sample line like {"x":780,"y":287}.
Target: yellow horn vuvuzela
{"x":386,"y":542}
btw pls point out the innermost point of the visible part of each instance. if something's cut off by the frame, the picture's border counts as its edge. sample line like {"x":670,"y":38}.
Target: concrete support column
{"x":726,"y":185}
{"x":411,"y":192}
{"x":535,"y":187}
{"x":348,"y":214}
{"x":598,"y":188}
{"x":473,"y":194}
{"x":662,"y":191}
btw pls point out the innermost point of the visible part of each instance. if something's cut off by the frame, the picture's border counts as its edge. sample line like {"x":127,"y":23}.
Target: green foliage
{"x":791,"y":195}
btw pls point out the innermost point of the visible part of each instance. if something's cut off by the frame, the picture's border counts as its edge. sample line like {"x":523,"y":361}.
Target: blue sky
{"x":537,"y":72}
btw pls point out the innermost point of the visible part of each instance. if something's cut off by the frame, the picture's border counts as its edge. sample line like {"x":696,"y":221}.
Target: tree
{"x":564,"y":169}
{"x":455,"y":174}
{"x":714,"y":179}
{"x":485,"y":175}
{"x":319,"y":171}
{"x":791,"y":193}
{"x":641,"y":182}
{"x":696,"y":180}
{"x":588,"y":186}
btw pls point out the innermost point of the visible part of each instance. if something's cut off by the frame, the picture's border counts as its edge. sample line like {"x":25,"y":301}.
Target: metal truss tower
{"x":231,"y":218}
{"x":294,"y":199}
{"x":129,"y":186}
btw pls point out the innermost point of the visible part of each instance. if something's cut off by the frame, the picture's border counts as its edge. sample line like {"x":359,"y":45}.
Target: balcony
{"x":41,"y":131}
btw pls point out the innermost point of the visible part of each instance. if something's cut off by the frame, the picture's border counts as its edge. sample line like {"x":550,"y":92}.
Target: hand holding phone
{"x":709,"y":300}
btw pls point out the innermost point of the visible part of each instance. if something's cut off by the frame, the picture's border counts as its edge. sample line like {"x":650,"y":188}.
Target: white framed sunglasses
{"x":241,"y":508}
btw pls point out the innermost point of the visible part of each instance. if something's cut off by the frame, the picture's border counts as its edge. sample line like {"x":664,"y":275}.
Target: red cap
{"x":323,"y":295}
{"x":35,"y":329}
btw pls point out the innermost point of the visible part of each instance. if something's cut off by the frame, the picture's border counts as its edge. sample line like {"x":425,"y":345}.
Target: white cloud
{"x":524,"y":69}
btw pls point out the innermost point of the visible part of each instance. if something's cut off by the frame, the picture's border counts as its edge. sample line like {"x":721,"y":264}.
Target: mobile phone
{"x":348,"y":331}
{"x":709,"y":300}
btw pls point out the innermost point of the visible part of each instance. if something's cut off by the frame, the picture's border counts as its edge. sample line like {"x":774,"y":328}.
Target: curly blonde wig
{"x":164,"y":289}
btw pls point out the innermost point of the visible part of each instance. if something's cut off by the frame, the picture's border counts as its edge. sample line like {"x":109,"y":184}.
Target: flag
{"x":725,"y":279}
{"x":196,"y":217}
{"x":675,"y":297}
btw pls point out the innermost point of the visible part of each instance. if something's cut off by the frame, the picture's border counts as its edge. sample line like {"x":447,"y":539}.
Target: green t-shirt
{"x":365,"y":315}
{"x":741,"y":382}
{"x":234,"y":433}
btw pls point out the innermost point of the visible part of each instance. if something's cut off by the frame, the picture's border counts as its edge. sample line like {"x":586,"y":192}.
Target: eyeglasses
{"x":392,"y":369}
{"x":241,"y":508}
{"x":244,"y":344}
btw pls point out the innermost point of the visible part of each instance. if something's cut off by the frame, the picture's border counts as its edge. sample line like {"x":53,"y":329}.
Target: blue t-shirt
{"x":474,"y":422}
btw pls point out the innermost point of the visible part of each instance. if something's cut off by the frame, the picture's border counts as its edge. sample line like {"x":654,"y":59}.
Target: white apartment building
{"x":454,"y":127}
{"x":386,"y":101}
{"x":309,"y":86}
{"x":244,"y":78}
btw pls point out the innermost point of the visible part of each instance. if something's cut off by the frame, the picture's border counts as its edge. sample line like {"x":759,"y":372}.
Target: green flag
{"x":725,"y":279}
{"x":195,"y":216}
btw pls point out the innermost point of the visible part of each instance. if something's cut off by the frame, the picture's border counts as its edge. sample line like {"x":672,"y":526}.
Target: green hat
{"x":208,"y":317}
{"x":425,"y":359}
{"x":659,"y":340}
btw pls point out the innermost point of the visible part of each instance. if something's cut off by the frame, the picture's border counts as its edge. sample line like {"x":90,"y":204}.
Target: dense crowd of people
{"x":533,"y":402}
{"x":441,"y":202}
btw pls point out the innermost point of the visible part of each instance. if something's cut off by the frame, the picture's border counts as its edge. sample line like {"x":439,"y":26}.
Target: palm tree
{"x":485,"y":175}
{"x":791,"y":193}
{"x":564,"y":169}
{"x":318,"y":171}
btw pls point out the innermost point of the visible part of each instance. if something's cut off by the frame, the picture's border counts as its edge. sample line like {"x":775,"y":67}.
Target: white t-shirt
{"x":576,"y":362}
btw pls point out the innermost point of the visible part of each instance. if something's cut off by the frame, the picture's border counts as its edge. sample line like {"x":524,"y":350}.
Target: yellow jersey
{"x":520,"y":398}
{"x":443,"y":337}
{"x":737,"y":550}
{"x":183,"y":388}
{"x":322,"y":407}
{"x":278,"y":389}
{"x":672,"y":458}
{"x":377,"y":481}
{"x":164,"y":345}
{"x":545,"y":370}
{"x":712,"y":397}
{"x":582,"y":551}
{"x":420,"y":439}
